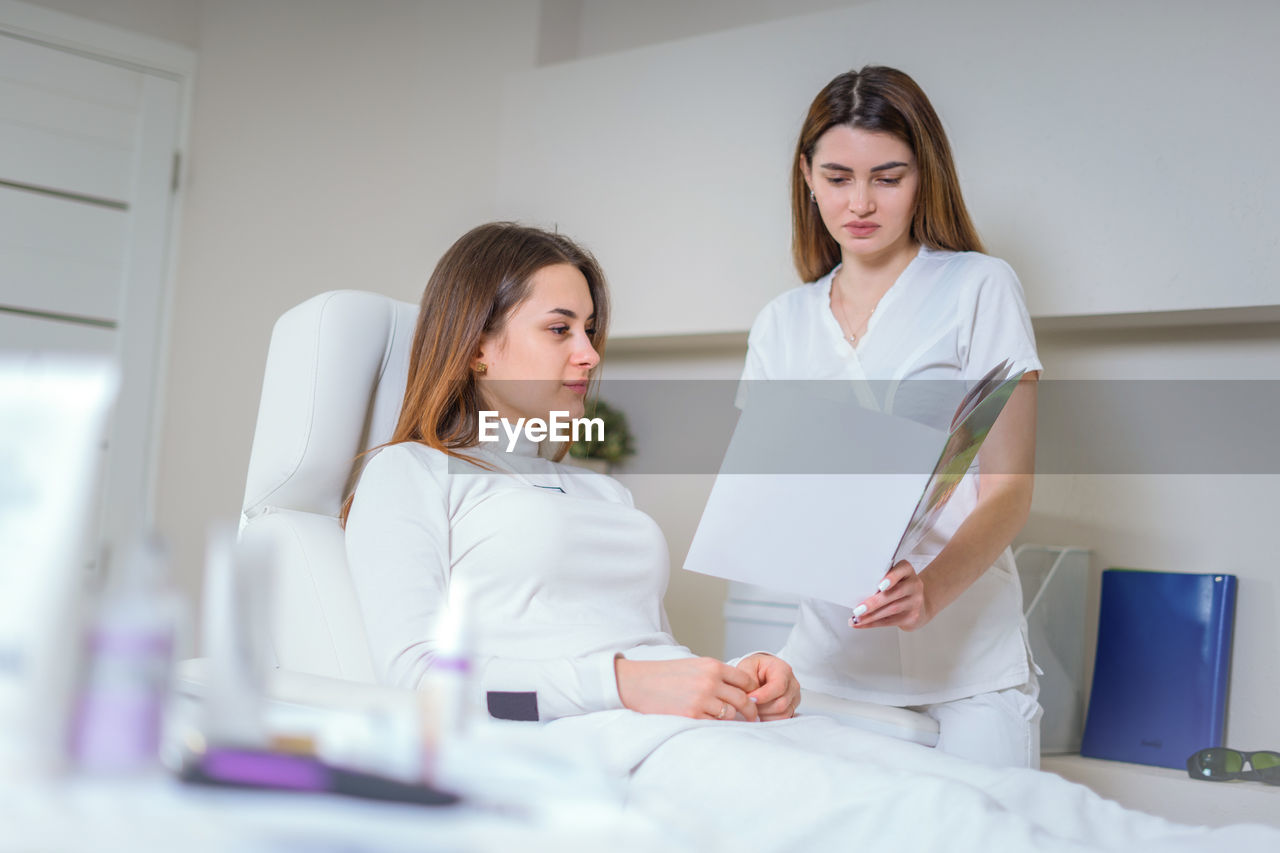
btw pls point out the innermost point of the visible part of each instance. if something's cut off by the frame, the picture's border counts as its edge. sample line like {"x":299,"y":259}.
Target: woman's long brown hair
{"x":883,"y":100}
{"x":476,"y":285}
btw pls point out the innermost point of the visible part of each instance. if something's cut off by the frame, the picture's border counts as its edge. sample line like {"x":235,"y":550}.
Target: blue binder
{"x":1160,"y":676}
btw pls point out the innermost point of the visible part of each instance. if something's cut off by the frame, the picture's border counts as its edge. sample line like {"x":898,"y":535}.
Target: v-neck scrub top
{"x":949,"y":316}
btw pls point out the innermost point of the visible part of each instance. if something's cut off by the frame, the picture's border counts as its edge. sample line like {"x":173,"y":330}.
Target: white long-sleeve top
{"x":562,"y":572}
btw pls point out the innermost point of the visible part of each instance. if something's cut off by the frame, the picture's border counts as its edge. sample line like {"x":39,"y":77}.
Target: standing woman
{"x":900,"y":292}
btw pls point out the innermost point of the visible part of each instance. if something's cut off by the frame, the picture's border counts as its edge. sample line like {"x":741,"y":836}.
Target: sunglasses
{"x":1219,"y":764}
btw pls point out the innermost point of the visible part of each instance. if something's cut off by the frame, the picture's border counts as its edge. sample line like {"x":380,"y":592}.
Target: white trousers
{"x":1001,"y":729}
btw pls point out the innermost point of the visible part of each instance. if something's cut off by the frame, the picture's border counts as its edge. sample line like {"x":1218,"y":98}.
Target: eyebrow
{"x":572,"y":315}
{"x":836,"y":167}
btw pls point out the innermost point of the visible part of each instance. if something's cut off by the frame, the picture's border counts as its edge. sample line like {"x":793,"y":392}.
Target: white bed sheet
{"x":812,"y":784}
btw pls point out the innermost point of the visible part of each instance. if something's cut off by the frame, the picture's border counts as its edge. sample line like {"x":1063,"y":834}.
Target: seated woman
{"x":564,"y":576}
{"x":565,"y":579}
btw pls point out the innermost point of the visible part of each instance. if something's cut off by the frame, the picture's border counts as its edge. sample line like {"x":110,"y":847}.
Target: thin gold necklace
{"x":844,"y":315}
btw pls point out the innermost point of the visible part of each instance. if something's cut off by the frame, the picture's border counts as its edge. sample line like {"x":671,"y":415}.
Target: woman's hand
{"x":1006,"y":468}
{"x":702,"y":688}
{"x":779,"y":693}
{"x":903,"y":602}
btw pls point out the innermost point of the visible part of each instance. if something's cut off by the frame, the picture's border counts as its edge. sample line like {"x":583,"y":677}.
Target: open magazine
{"x":820,"y":494}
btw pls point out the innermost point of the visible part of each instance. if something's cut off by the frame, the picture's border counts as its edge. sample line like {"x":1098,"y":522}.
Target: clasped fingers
{"x":778,"y":694}
{"x":703,"y":688}
{"x":729,"y":689}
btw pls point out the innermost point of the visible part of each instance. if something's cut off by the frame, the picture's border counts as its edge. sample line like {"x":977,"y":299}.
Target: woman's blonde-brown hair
{"x":476,"y":285}
{"x":884,"y":100}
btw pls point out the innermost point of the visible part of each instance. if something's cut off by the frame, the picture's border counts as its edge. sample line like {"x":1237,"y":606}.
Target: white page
{"x":814,"y":494}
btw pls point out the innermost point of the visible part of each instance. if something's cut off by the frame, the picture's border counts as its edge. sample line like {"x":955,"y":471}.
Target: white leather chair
{"x":335,"y":375}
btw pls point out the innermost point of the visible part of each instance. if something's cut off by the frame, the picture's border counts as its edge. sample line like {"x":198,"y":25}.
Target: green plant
{"x":616,"y":445}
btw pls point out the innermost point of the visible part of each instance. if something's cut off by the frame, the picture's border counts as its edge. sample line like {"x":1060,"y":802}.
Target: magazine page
{"x":983,"y":387}
{"x":977,"y":415}
{"x":813,"y":493}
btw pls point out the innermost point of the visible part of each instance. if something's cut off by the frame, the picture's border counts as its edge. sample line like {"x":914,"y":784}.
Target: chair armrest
{"x":304,"y":689}
{"x":883,"y":719}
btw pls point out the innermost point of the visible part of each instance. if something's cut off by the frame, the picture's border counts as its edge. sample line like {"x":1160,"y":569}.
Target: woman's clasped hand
{"x":761,"y":687}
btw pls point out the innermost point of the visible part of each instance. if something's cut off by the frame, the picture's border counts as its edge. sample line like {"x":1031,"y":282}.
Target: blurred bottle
{"x":53,"y":415}
{"x":238,"y":587}
{"x":447,"y":693}
{"x":128,"y":660}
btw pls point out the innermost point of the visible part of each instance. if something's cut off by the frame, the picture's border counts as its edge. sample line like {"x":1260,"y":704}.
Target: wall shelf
{"x":1158,"y":319}
{"x":736,"y":341}
{"x":700,"y":342}
{"x":1171,"y":794}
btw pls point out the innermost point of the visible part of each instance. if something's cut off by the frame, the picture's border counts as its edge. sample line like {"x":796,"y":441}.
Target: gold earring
{"x":481,"y":367}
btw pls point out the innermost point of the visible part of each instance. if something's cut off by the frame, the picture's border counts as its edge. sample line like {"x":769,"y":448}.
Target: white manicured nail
{"x":884,"y":584}
{"x":859,"y":610}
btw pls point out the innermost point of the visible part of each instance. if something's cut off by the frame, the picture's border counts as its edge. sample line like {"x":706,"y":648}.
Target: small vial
{"x":446,"y":693}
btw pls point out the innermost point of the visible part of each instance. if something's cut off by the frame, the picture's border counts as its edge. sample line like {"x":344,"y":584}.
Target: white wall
{"x":171,"y":20}
{"x":334,"y":144}
{"x":609,"y":26}
{"x":1083,"y":148}
{"x":575,"y":29}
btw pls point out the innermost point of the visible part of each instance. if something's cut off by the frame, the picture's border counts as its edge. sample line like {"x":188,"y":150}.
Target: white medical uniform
{"x":950,"y":316}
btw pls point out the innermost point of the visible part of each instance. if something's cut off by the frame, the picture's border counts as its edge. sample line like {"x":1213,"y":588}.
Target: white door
{"x":88,"y":149}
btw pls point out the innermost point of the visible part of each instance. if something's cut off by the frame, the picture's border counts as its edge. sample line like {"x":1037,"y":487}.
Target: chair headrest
{"x":334,"y":382}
